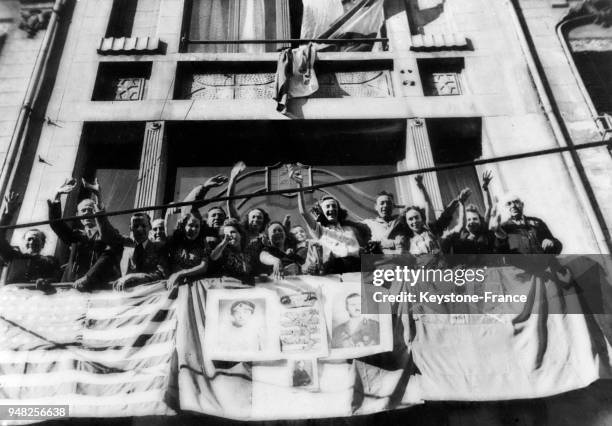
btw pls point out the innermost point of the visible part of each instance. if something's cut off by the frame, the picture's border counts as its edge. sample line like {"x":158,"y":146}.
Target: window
{"x":455,"y":140}
{"x":333,"y":149}
{"x":210,"y":24}
{"x":442,"y":76}
{"x":594,"y":68}
{"x":222,"y":20}
{"x":111,"y":153}
{"x":133,"y":18}
{"x":118,"y":81}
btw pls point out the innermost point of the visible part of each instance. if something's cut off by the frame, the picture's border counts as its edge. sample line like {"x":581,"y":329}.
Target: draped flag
{"x":364,"y":20}
{"x":298,"y":347}
{"x":104,"y":354}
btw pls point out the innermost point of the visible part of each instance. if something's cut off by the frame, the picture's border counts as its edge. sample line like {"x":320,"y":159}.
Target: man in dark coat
{"x":95,"y":246}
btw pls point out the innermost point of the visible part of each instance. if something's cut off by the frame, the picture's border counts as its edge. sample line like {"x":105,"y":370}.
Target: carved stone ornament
{"x":34,"y":16}
{"x":602,"y":9}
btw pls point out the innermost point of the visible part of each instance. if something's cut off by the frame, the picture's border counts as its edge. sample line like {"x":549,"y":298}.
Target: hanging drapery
{"x":318,"y":16}
{"x":364,"y":20}
{"x":238,"y":20}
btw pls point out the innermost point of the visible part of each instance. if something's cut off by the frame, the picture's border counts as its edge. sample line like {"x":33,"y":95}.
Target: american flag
{"x":103,"y":354}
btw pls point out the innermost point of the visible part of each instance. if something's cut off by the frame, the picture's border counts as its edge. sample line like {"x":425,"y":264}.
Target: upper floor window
{"x":133,"y":18}
{"x":225,"y":26}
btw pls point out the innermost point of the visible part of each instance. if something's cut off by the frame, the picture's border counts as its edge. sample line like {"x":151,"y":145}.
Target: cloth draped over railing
{"x":148,"y":352}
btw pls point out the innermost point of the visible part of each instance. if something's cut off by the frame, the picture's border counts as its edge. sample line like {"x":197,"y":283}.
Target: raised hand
{"x":93,"y":187}
{"x":217,"y":180}
{"x":12,"y":202}
{"x":68,"y":186}
{"x":238,"y":168}
{"x":296,"y":175}
{"x":464,"y":195}
{"x":486,"y":179}
{"x":419,"y":181}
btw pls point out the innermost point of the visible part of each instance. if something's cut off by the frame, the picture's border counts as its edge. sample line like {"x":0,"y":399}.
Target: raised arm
{"x":7,"y":252}
{"x":199,"y":192}
{"x":430,"y":213}
{"x":460,"y":219}
{"x":218,"y":250}
{"x":95,"y":193}
{"x":310,"y":222}
{"x":486,"y":179}
{"x":238,"y":168}
{"x":63,"y":231}
{"x":446,"y":217}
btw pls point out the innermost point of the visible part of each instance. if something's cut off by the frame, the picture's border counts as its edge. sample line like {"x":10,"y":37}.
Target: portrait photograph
{"x":242,"y":325}
{"x":304,"y":374}
{"x":351,"y":333}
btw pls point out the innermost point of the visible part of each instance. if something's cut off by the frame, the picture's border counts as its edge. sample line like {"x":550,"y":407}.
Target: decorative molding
{"x":151,"y":175}
{"x":368,"y":84}
{"x":602,"y":9}
{"x":419,"y":138}
{"x":591,"y":45}
{"x":444,"y":84}
{"x":34,"y":16}
{"x":129,"y":45}
{"x":449,"y":41}
{"x":129,"y":89}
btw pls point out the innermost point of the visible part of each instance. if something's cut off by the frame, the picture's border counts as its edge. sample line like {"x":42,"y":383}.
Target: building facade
{"x":142,"y":100}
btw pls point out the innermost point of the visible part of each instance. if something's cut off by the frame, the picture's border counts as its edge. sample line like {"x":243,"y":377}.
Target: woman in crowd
{"x":279,"y":253}
{"x":474,"y":235}
{"x":256,"y":219}
{"x":189,"y":256}
{"x":338,"y":237}
{"x":423,"y":228}
{"x":309,"y":251}
{"x":232,"y":256}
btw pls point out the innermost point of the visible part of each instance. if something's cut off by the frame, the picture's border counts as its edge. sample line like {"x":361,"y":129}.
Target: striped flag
{"x":364,"y":20}
{"x":104,"y":354}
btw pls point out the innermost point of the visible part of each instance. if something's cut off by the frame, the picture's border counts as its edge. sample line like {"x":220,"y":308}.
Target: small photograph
{"x":353,"y":334}
{"x":303,"y":332}
{"x":242,"y":325}
{"x":304,"y":374}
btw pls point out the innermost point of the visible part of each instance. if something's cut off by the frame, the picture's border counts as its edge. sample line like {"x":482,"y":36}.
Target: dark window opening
{"x":117,"y":81}
{"x":111,"y":153}
{"x":455,"y":140}
{"x":441,"y":76}
{"x":333,"y":149}
{"x":133,"y":18}
{"x":595,"y":69}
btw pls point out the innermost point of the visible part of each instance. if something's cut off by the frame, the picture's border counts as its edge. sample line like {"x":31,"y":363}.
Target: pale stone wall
{"x":542,"y":20}
{"x":17,"y":56}
{"x":498,"y":88}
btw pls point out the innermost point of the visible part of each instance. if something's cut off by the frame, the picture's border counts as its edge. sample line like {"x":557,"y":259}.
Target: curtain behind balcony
{"x":238,"y":20}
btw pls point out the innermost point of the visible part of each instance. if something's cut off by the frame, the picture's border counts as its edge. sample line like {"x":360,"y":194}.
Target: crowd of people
{"x":186,"y":245}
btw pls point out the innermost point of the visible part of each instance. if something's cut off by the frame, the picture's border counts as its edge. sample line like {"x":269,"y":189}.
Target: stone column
{"x":152,"y":174}
{"x":419,"y":155}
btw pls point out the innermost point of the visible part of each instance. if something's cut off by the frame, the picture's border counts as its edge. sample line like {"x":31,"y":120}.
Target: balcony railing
{"x":294,"y":42}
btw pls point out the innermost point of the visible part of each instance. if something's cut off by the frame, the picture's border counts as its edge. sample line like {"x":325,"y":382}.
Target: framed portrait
{"x":242,"y":325}
{"x":303,"y":331}
{"x":304,"y":374}
{"x":352,"y":334}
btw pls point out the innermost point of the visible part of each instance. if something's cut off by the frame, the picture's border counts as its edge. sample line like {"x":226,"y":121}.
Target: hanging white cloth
{"x":318,"y":15}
